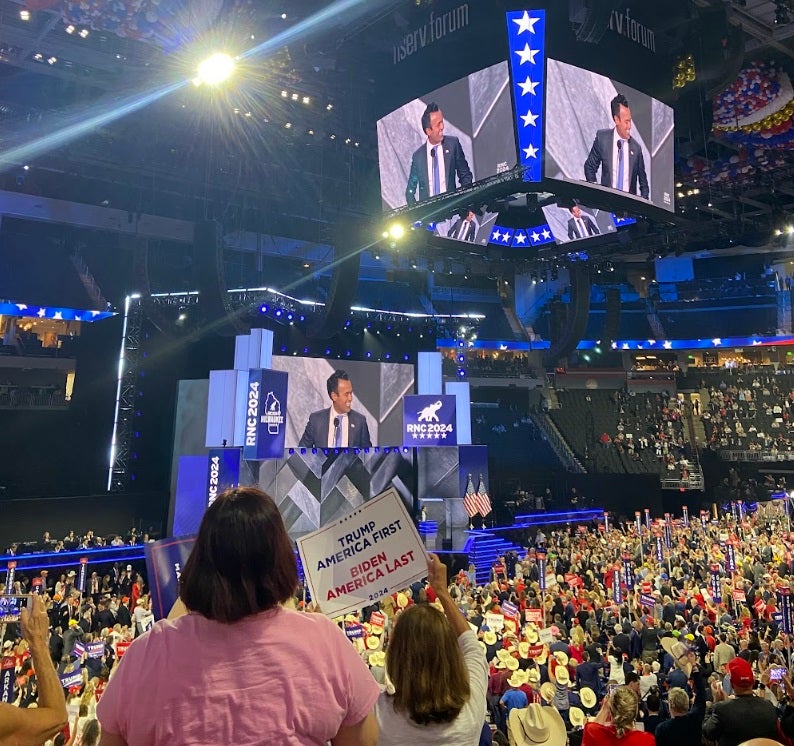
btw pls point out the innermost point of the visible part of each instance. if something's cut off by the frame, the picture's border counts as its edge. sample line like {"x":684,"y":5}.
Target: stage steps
{"x":483,"y":547}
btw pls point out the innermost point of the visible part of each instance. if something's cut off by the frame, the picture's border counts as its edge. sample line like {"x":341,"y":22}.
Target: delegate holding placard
{"x":364,"y":556}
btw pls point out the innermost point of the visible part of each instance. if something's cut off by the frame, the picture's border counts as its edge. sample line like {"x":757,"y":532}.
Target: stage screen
{"x":378,"y":389}
{"x":575,"y":222}
{"x":468,"y":226}
{"x":582,"y":135}
{"x":479,"y":139}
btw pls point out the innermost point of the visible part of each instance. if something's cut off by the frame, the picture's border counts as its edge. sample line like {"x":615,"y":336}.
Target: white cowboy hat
{"x":576,"y":716}
{"x":511,"y":663}
{"x":373,"y":642}
{"x":533,"y":676}
{"x":523,"y":649}
{"x":377,"y":658}
{"x":516,"y":679}
{"x":588,"y":697}
{"x":536,"y":726}
{"x":547,"y":691}
{"x":531,"y":633}
{"x":489,"y":637}
{"x":561,"y":657}
{"x":678,"y":651}
{"x":562,"y":675}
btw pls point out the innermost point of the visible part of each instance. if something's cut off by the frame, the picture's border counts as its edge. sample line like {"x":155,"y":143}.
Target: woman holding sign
{"x":240,"y":667}
{"x":439,"y":674}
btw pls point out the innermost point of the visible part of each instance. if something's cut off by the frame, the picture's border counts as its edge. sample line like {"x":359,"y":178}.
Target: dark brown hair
{"x":425,"y":664}
{"x":242,"y":562}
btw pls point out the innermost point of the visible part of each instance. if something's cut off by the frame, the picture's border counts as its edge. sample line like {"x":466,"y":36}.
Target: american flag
{"x":470,"y":499}
{"x":482,"y":500}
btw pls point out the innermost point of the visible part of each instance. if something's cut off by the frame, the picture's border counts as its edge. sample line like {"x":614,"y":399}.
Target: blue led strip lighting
{"x":526,"y":38}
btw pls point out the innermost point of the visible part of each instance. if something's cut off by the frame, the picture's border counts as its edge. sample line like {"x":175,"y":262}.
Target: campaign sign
{"x":223,"y":471}
{"x":534,"y":616}
{"x":716,"y":592}
{"x":164,"y":562}
{"x":495,"y":622}
{"x":509,"y":609}
{"x":659,"y":549}
{"x":368,"y":554}
{"x":7,"y":678}
{"x":647,"y":600}
{"x":429,"y":420}
{"x":71,"y":679}
{"x":353,"y":630}
{"x":36,"y":585}
{"x":95,"y":649}
{"x":78,"y":651}
{"x":82,"y":574}
{"x":121,"y":648}
{"x":739,"y":595}
{"x":628,"y":573}
{"x":542,"y":571}
{"x":617,"y":591}
{"x":377,"y":619}
{"x":265,"y":414}
{"x":730,"y":558}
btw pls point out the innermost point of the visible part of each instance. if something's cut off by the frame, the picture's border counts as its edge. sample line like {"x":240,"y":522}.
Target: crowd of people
{"x":77,"y":541}
{"x":592,"y":635}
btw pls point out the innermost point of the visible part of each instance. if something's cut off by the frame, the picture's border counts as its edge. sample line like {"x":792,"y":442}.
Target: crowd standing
{"x":612,"y":645}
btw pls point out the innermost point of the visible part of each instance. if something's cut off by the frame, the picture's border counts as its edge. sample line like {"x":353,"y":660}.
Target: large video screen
{"x":378,"y":390}
{"x":450,"y":138}
{"x":603,"y":132}
{"x":577,"y":222}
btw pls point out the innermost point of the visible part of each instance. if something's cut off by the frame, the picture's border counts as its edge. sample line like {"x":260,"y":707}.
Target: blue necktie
{"x":338,"y":441}
{"x":436,"y":175}
{"x":620,"y":164}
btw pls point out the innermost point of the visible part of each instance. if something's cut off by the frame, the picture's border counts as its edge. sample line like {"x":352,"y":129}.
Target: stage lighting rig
{"x":216,"y":69}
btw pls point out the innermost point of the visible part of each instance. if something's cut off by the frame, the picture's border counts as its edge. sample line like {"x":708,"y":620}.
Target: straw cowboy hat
{"x":588,"y":697}
{"x":516,"y":679}
{"x":547,"y":691}
{"x":373,"y":642}
{"x":536,"y":726}
{"x":576,"y":716}
{"x":489,"y":637}
{"x":678,"y":651}
{"x":562,"y":675}
{"x":523,"y":649}
{"x":561,"y":657}
{"x":377,"y":658}
{"x":533,"y":676}
{"x":543,"y":657}
{"x":402,"y":600}
{"x":511,"y":664}
{"x":531,"y":633}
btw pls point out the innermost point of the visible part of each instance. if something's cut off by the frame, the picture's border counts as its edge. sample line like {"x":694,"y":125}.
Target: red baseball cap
{"x":741,"y":673}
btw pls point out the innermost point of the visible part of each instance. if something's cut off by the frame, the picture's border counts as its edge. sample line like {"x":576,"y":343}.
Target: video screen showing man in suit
{"x":572,"y":221}
{"x":450,"y":138}
{"x":580,"y":224}
{"x":439,"y":164}
{"x":339,"y":426}
{"x":465,"y":227}
{"x":618,"y":156}
{"x":609,"y":135}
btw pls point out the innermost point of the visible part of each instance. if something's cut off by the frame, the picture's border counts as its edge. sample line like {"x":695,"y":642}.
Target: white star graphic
{"x":716,"y":341}
{"x":614,"y":345}
{"x":506,"y":237}
{"x":668,"y":345}
{"x":546,"y":234}
{"x":535,"y":236}
{"x":95,"y":313}
{"x":41,"y":313}
{"x":443,"y":436}
{"x":496,"y":235}
{"x":525,"y":23}
{"x":527,"y":55}
{"x":421,"y":436}
{"x":22,"y":307}
{"x":521,"y":238}
{"x":529,"y":119}
{"x":756,"y":342}
{"x":625,"y":346}
{"x":528,"y":86}
{"x":530,"y":152}
{"x":58,"y":316}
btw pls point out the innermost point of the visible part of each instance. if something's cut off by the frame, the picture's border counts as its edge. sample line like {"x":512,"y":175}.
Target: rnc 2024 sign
{"x":429,"y":420}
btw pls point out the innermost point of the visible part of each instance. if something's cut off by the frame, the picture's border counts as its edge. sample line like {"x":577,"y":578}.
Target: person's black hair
{"x":632,"y":677}
{"x":431,"y":108}
{"x":653,"y":702}
{"x":332,"y":384}
{"x":242,"y":562}
{"x":616,"y":103}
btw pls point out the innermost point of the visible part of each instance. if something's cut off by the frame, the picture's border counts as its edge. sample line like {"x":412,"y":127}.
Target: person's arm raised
{"x":38,"y":724}
{"x":437,"y":577}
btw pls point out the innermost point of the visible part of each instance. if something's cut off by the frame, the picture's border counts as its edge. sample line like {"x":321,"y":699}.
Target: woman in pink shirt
{"x":240,"y":668}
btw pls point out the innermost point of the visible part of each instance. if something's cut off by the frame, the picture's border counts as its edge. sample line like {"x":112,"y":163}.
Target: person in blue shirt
{"x":513,"y":697}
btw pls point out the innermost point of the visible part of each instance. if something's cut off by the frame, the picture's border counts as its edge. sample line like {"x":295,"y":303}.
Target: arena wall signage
{"x":429,"y":420}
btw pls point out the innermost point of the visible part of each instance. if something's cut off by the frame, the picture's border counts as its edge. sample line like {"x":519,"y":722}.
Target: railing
{"x":558,"y":443}
{"x":693,"y":482}
{"x":762,"y":455}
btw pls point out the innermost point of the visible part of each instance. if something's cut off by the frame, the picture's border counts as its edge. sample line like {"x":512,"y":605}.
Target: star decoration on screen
{"x":496,"y":235}
{"x":525,"y":23}
{"x":527,"y":55}
{"x":546,"y":234}
{"x":506,"y":236}
{"x":520,"y":238}
{"x":535,"y":237}
{"x":530,"y":119}
{"x":528,"y":86}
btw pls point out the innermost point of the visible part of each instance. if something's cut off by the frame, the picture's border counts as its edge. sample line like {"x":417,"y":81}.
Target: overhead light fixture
{"x":84,"y":33}
{"x":216,"y":68}
{"x":52,"y":60}
{"x":24,"y":14}
{"x":306,"y":100}
{"x":69,"y":29}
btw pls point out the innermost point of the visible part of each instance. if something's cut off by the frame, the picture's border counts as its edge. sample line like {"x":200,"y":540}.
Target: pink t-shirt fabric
{"x":282,"y":676}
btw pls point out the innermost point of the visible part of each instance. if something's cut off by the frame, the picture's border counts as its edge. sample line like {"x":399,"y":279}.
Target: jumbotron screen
{"x":603,"y":132}
{"x":577,"y":222}
{"x":378,"y":391}
{"x":453,"y":137}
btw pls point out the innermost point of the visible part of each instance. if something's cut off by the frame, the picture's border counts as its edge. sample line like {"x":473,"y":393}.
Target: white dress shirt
{"x":442,"y":174}
{"x":343,"y":423}
{"x":615,"y":155}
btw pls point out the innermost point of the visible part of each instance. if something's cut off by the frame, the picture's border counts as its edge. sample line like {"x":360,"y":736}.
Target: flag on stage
{"x":482,"y":500}
{"x":470,"y":499}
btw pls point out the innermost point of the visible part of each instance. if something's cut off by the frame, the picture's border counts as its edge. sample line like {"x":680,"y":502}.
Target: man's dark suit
{"x":316,"y":433}
{"x":469,"y":232}
{"x":734,"y":721}
{"x":454,"y":163}
{"x":601,"y":155}
{"x":589,"y":225}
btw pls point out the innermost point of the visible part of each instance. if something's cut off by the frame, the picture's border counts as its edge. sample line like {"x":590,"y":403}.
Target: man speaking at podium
{"x":338,"y":426}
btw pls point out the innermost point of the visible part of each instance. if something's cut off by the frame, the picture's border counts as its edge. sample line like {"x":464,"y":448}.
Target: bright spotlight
{"x":216,"y":69}
{"x":397,"y":231}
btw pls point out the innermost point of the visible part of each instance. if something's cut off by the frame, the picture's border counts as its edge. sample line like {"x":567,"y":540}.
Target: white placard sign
{"x":495,"y":622}
{"x":364,"y":556}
